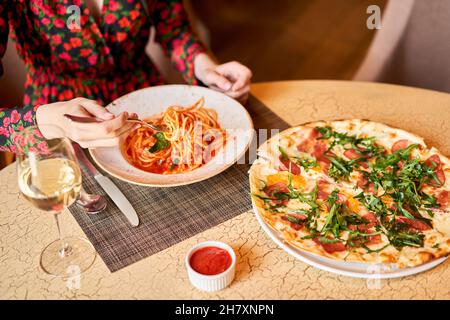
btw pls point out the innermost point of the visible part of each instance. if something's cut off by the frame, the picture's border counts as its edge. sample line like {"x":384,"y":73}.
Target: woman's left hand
{"x":231,"y":78}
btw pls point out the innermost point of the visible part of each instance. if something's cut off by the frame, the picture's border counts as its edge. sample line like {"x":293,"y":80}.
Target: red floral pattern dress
{"x":98,"y":60}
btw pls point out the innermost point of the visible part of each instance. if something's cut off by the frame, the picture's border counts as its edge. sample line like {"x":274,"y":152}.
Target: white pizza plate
{"x":349,"y":269}
{"x":147,"y":102}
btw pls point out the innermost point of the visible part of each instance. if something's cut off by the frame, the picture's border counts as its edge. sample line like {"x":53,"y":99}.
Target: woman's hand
{"x":89,"y":135}
{"x":231,"y":78}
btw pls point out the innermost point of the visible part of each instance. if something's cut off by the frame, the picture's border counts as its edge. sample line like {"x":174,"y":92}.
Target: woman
{"x":100,"y":59}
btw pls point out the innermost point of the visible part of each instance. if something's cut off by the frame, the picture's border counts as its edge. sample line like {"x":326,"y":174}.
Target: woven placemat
{"x":168,"y":215}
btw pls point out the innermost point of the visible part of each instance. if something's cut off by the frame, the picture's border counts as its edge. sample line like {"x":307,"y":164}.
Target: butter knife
{"x":109,"y":187}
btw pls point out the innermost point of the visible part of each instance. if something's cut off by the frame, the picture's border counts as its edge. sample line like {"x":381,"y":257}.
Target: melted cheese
{"x":298,"y":182}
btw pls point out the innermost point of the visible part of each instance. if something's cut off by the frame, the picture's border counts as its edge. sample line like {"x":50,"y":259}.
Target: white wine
{"x":50,"y":180}
{"x":51,"y":184}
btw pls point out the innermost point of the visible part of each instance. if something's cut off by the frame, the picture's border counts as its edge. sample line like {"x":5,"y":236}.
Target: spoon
{"x":93,"y":119}
{"x":91,"y":203}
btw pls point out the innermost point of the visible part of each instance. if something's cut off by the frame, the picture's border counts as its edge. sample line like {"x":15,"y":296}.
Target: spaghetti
{"x":191,"y":138}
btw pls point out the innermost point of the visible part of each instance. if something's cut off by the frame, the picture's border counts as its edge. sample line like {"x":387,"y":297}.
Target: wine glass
{"x":50,"y":179}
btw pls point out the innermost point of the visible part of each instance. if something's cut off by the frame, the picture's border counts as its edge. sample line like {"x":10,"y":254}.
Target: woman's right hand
{"x":88,"y":135}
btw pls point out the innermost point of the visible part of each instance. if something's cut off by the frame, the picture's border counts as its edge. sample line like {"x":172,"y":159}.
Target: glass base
{"x":74,"y":258}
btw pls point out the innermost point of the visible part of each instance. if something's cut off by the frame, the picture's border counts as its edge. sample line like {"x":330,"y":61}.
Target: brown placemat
{"x":169,"y":215}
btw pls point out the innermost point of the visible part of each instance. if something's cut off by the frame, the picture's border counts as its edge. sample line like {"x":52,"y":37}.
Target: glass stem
{"x":63,"y":252}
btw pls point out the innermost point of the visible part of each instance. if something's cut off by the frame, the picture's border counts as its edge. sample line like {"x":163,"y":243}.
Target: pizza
{"x":356,"y":191}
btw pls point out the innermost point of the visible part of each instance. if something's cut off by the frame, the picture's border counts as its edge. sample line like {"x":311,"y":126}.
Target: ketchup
{"x":210,"y":260}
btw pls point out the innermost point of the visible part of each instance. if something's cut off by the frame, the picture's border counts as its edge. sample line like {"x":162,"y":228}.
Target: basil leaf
{"x":161,"y":143}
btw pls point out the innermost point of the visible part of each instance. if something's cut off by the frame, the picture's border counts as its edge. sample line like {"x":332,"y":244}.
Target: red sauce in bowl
{"x":210,"y":260}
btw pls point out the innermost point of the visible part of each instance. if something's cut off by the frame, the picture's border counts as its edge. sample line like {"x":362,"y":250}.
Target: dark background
{"x":289,"y":39}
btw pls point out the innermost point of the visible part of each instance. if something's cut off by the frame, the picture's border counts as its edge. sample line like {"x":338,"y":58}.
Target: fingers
{"x":100,"y":130}
{"x":103,"y":133}
{"x":94,"y":108}
{"x":106,"y":142}
{"x":213,"y":78}
{"x":133,"y":116}
{"x":242,"y":81}
{"x":241,"y":95}
{"x":126,"y":129}
{"x":238,"y":72}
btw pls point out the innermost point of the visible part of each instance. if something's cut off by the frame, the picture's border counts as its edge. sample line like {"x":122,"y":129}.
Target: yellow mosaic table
{"x":264,"y":271}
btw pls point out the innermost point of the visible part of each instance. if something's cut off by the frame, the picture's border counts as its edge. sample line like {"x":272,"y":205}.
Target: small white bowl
{"x":215,"y":282}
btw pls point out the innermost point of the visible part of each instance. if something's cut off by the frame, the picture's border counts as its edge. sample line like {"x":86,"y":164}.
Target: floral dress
{"x":69,"y":54}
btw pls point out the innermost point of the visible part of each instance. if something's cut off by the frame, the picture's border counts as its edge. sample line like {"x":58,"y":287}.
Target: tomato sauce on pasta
{"x":191,"y":137}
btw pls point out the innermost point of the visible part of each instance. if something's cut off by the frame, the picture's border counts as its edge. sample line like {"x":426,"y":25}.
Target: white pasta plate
{"x":231,"y":115}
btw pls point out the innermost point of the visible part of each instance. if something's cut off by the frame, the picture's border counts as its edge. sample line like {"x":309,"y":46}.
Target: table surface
{"x":264,"y":271}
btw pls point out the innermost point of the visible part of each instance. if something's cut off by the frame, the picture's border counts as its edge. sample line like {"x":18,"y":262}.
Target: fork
{"x":93,"y":119}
